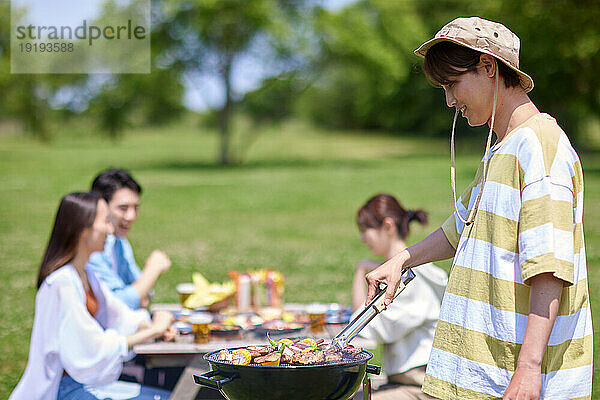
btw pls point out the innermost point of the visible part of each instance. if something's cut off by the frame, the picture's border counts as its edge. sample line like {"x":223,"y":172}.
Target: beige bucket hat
{"x":485,"y":36}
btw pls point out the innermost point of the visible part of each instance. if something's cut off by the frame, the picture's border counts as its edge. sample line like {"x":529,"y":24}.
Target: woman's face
{"x":101,"y":227}
{"x":377,"y":240}
{"x":472,"y":94}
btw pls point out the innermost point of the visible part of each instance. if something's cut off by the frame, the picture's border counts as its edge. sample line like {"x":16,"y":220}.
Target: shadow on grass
{"x":280,"y":163}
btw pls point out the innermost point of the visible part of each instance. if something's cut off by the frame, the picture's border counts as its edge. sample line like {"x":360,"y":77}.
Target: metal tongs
{"x":376,"y":306}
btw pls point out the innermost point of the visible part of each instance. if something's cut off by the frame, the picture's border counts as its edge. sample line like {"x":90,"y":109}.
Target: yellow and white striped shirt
{"x":529,"y":222}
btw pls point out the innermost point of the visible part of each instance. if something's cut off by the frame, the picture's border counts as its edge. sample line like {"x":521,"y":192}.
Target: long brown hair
{"x":76,"y":212}
{"x":382,"y":206}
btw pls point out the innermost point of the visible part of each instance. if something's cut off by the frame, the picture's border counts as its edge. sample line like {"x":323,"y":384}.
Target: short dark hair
{"x":109,"y":181}
{"x":446,"y":60}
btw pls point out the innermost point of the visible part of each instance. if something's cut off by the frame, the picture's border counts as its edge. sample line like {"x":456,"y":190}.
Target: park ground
{"x":289,"y":206}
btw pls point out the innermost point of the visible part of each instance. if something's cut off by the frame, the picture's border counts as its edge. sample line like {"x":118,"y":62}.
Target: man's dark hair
{"x":108,"y":182}
{"x":445,"y":61}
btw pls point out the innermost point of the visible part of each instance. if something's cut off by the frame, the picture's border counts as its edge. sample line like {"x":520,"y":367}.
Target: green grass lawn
{"x":289,"y":207}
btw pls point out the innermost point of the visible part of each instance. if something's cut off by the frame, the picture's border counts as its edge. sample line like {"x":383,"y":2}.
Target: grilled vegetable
{"x":273,"y":343}
{"x":285,"y":351}
{"x":287,"y":342}
{"x":281,"y":348}
{"x":309,"y":342}
{"x":241,"y":357}
{"x":225,"y":355}
{"x":271,"y":359}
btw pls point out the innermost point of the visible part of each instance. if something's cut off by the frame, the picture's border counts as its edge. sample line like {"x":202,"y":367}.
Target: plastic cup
{"x":185,"y":290}
{"x":316,"y":312}
{"x":201,"y":327}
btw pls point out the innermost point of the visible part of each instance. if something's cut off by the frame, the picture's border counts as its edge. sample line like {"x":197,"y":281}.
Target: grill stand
{"x":371,"y":369}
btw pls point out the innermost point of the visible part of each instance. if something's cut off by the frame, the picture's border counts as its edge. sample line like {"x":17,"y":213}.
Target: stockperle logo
{"x":91,"y":36}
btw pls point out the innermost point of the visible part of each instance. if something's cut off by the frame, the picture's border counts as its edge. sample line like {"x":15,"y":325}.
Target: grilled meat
{"x":351,"y":351}
{"x":308,"y":358}
{"x":261,"y":350}
{"x":292,"y":354}
{"x":286,"y":359}
{"x":269,"y":358}
{"x":333,"y":356}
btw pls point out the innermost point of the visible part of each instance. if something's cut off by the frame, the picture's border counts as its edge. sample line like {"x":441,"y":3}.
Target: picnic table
{"x":185,"y":353}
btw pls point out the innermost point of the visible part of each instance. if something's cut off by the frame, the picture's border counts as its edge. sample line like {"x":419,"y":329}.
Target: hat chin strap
{"x":471,"y":219}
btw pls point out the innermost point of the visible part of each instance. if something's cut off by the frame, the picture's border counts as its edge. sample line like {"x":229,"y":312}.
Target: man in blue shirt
{"x":116,"y":266}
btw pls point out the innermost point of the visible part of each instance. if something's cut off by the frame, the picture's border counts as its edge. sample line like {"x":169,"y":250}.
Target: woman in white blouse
{"x":407,"y":326}
{"x":81,"y":332}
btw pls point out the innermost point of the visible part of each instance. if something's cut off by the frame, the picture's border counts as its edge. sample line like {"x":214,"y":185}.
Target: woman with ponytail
{"x":81,"y":332}
{"x":407,"y":326}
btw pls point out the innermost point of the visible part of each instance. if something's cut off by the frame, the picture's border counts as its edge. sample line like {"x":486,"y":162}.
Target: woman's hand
{"x":162,"y":321}
{"x":170,"y":334}
{"x":160,"y":326}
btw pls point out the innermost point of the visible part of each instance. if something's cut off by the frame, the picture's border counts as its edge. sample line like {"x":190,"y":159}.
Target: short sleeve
{"x":546,"y":226}
{"x":449,"y":229}
{"x":546,"y":241}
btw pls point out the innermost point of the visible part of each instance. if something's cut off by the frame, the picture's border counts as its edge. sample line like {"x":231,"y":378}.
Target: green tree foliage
{"x":212,"y":36}
{"x":114,"y":101}
{"x":274,"y":99}
{"x":560,"y":48}
{"x":366,"y":75}
{"x":351,"y":68}
{"x":124,"y":100}
{"x":22,"y":94}
{"x":131,"y":99}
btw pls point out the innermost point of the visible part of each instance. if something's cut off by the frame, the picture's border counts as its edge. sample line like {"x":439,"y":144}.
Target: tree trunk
{"x":33,"y":114}
{"x":225,"y":112}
